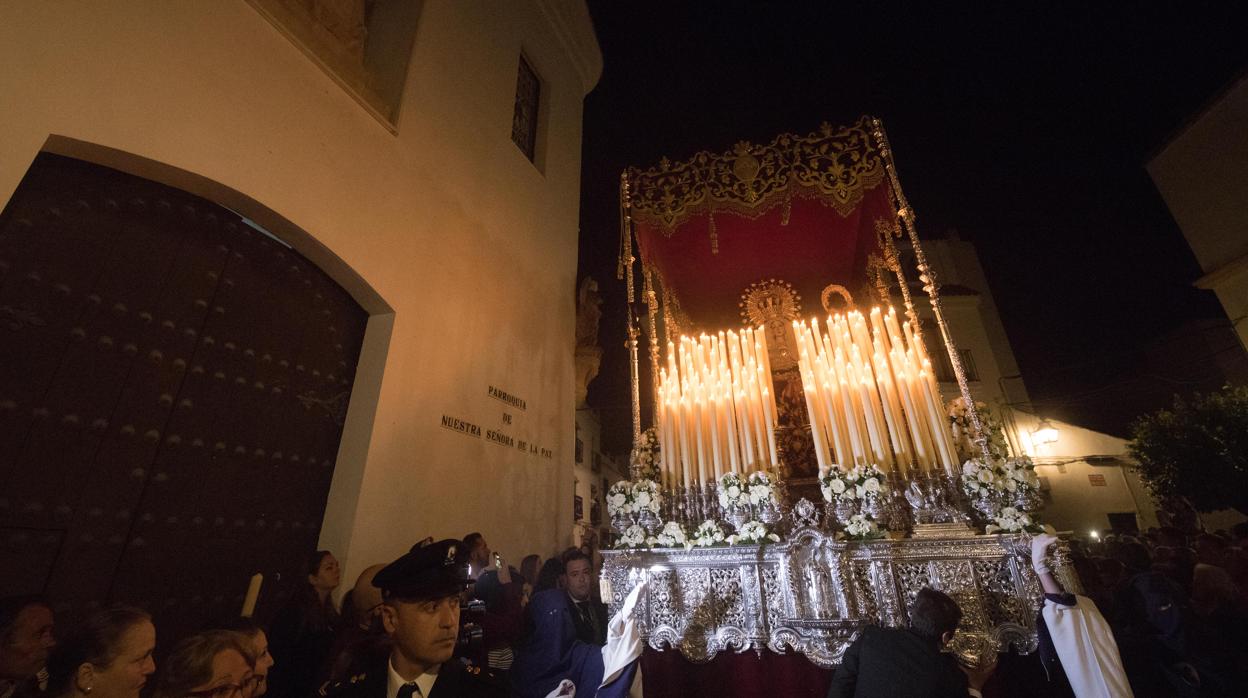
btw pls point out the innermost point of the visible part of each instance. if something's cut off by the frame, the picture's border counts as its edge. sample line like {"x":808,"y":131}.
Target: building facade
{"x":1202,"y":173}
{"x":440,"y":192}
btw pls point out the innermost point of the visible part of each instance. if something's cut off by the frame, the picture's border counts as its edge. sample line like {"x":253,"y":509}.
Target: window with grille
{"x":524,"y":117}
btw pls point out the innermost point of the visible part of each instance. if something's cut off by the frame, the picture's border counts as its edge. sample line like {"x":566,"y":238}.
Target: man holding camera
{"x":421,"y":593}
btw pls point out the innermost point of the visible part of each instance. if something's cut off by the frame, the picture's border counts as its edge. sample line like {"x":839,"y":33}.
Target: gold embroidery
{"x":833,"y":166}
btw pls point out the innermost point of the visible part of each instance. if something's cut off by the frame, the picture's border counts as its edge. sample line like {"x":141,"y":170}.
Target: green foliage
{"x":1198,"y":449}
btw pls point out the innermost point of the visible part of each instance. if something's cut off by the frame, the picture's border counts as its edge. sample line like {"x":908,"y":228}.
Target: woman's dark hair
{"x":314,"y":562}
{"x":317,"y":615}
{"x":934,"y":613}
{"x":96,"y":641}
{"x":529,"y":566}
{"x":190,"y":664}
{"x":548,"y":578}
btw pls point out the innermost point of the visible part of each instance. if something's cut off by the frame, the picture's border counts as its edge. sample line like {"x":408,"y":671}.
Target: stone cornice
{"x":575,"y":29}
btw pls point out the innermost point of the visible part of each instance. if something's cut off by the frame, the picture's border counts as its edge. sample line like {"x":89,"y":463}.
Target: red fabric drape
{"x":810,"y":246}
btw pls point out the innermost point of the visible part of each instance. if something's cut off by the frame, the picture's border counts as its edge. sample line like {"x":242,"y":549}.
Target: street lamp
{"x":1044,"y":433}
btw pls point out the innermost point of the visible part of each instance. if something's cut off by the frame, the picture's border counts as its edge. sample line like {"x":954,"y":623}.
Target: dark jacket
{"x":590,"y":620}
{"x":896,"y":663}
{"x":456,"y":679}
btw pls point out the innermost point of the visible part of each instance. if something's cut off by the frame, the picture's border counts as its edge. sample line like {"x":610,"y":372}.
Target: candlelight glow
{"x":871,"y":394}
{"x":717,"y":411}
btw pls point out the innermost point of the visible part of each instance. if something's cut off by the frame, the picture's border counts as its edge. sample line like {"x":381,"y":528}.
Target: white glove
{"x":566,"y":689}
{"x":1040,"y":549}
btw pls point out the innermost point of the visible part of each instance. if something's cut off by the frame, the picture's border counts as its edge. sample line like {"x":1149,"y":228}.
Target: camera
{"x":471,"y":642}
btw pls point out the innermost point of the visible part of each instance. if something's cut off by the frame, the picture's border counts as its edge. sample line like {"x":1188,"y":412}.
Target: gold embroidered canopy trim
{"x":833,"y":165}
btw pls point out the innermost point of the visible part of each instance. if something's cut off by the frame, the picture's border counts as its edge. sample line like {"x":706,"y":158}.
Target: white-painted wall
{"x":463,"y":251}
{"x":1203,"y":175}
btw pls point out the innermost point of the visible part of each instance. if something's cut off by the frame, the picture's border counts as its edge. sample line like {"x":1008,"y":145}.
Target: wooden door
{"x":173,"y":384}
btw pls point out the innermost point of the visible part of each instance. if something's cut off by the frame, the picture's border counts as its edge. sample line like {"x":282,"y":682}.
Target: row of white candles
{"x":717,"y":409}
{"x":871,"y":394}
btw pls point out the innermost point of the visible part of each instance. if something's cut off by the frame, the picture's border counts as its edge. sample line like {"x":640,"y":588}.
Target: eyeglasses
{"x":245,"y":688}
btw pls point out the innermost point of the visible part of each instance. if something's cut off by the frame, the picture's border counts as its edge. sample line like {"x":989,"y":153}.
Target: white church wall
{"x":463,"y":250}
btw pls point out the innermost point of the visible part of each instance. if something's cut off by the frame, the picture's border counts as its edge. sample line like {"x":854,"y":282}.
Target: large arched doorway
{"x":173,"y":386}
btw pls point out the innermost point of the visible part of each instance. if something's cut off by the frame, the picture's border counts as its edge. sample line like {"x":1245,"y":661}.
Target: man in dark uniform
{"x":589,"y":616}
{"x":420,"y":612}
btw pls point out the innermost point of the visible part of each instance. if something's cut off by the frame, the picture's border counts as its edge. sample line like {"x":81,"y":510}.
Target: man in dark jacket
{"x":589,"y":616}
{"x":909,"y":663}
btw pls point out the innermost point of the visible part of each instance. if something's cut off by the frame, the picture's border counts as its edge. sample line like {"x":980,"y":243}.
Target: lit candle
{"x":937,"y":425}
{"x":684,"y":440}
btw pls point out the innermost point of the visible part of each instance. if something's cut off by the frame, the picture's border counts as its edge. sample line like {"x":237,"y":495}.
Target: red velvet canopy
{"x":806,"y":210}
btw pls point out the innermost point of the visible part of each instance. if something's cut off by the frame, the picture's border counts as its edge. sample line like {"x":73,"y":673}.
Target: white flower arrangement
{"x":862,"y":527}
{"x":731,"y":490}
{"x":646,"y":496}
{"x":1011,"y":520}
{"x":752,"y":533}
{"x":672,"y":536}
{"x":963,"y":430}
{"x":633,"y":537}
{"x":861,"y":482}
{"x":708,"y":534}
{"x":620,"y":499}
{"x":645,"y":457}
{"x":1009,"y":476}
{"x":759,"y":489}
{"x":1020,"y":475}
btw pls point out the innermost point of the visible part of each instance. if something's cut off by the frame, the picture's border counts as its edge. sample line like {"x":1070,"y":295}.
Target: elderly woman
{"x":258,"y":643}
{"x":108,"y":656}
{"x":212,"y":664}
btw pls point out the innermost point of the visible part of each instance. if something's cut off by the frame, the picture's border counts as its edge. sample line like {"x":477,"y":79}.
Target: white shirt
{"x":424,"y":682}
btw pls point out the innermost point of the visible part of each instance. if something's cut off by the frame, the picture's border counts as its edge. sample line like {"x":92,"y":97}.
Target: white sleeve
{"x":623,"y":639}
{"x":1086,"y":648}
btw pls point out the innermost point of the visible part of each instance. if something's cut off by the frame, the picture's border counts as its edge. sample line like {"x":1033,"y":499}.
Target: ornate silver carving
{"x":812,"y":593}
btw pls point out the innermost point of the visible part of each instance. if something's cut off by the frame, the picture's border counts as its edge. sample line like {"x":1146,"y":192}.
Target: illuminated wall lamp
{"x":1044,"y":433}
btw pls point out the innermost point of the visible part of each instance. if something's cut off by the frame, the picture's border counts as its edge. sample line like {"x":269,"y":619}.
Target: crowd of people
{"x":446,"y":619}
{"x":1162,"y":613}
{"x":1177,"y":603}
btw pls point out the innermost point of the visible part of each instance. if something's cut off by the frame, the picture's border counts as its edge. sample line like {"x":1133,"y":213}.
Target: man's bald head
{"x":365,"y":597}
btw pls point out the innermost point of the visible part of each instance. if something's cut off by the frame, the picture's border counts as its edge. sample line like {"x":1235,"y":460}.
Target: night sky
{"x":1026,"y":130}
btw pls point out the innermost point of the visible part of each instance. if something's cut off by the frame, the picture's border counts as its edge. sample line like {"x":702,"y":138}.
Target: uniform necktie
{"x":408,"y":690}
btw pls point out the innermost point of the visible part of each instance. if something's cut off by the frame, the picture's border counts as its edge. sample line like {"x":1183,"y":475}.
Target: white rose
{"x":985,"y":476}
{"x":643,"y":499}
{"x":734,"y":492}
{"x":837,"y":486}
{"x":872,"y":485}
{"x":617,"y":500}
{"x":1011,"y":485}
{"x":969,"y":468}
{"x":860,"y":491}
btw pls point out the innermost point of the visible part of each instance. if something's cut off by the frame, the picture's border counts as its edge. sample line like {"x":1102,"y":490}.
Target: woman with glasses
{"x":108,"y":656}
{"x":212,"y":664}
{"x":258,"y":643}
